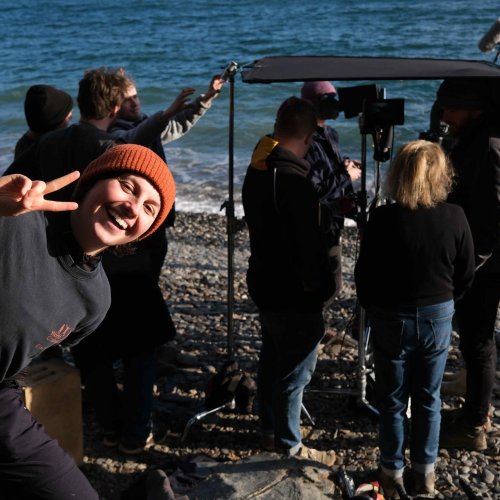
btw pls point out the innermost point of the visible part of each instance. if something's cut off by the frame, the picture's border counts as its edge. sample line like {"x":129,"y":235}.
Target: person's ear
{"x":114,"y":112}
{"x":308,"y":139}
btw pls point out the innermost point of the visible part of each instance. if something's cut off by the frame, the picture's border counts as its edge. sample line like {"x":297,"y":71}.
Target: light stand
{"x":228,"y":205}
{"x":364,"y":330}
{"x":377,"y":118}
{"x":360,"y":392}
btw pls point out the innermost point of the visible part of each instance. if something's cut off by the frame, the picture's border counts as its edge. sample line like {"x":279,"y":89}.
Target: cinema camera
{"x":437,"y":136}
{"x":438,"y":130}
{"x":377,"y":115}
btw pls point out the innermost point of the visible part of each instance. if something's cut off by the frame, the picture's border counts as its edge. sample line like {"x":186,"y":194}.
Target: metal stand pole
{"x":230,"y":226}
{"x":229,"y":207}
{"x":364,"y":331}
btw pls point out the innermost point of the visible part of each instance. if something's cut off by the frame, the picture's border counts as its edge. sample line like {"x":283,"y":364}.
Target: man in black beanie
{"x":468,"y":107}
{"x":46,"y":108}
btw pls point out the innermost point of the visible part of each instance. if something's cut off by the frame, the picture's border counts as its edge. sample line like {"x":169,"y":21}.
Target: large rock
{"x":267,"y":476}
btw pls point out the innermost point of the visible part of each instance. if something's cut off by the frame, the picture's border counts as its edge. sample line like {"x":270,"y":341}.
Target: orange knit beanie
{"x":138,"y":160}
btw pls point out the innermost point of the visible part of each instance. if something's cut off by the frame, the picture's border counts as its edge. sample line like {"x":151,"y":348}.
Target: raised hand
{"x":214,"y":88}
{"x":19,"y":194}
{"x":180,"y":101}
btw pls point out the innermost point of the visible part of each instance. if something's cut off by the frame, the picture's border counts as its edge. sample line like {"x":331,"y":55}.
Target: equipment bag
{"x":230,"y":383}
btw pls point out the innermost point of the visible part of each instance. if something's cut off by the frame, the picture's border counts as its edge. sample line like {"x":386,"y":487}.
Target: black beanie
{"x":464,"y":93}
{"x":46,"y":107}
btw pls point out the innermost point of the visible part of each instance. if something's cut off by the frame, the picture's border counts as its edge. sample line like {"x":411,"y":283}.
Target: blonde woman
{"x":416,"y":258}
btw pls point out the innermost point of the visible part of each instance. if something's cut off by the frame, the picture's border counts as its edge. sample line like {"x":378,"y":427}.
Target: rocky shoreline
{"x":194,"y":281}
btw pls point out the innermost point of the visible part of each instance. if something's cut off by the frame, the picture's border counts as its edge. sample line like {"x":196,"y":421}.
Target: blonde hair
{"x":420,"y":175}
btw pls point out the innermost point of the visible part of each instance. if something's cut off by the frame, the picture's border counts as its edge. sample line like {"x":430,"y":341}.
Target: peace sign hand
{"x":19,"y":194}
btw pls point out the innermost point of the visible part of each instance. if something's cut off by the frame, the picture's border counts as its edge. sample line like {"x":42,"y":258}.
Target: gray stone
{"x":488,"y":476}
{"x":269,"y":476}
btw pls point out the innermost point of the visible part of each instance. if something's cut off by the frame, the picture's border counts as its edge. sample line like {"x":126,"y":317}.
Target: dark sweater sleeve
{"x":464,"y":262}
{"x":484,"y":216}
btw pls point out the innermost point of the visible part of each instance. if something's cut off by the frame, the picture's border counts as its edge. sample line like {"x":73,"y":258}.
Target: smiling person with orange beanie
{"x":126,"y":414}
{"x":55,"y":291}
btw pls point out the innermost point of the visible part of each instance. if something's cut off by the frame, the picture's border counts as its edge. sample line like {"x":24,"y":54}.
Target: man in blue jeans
{"x":289,"y":277}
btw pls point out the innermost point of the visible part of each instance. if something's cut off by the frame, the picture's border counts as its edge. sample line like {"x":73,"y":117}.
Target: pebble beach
{"x":194,"y":281}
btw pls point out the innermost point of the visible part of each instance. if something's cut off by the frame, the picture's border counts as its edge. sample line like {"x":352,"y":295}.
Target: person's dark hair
{"x":420,"y":175}
{"x":296,"y":118}
{"x":100,"y":90}
{"x":465,"y":93}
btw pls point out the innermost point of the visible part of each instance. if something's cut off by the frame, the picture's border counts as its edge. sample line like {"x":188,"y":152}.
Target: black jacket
{"x":330,"y":178}
{"x":288,"y":265}
{"x":476,"y":158}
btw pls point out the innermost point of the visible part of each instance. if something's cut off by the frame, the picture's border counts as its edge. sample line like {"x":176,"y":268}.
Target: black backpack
{"x":230,"y":383}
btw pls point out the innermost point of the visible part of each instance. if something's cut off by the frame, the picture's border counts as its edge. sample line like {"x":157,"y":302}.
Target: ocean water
{"x":167,"y":45}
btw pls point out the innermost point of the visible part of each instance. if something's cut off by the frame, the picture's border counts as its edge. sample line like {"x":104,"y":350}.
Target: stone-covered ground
{"x":194,"y":281}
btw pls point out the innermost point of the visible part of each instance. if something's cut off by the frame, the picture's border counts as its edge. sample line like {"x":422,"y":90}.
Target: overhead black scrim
{"x":311,"y":68}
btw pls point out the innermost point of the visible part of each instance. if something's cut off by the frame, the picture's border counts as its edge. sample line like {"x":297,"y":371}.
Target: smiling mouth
{"x":119,"y":222}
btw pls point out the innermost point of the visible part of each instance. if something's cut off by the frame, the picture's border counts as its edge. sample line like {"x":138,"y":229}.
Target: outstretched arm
{"x":174,"y":121}
{"x":179,"y":102}
{"x":213,"y":90}
{"x":183,"y":121}
{"x":19,"y":194}
{"x":156,"y":125}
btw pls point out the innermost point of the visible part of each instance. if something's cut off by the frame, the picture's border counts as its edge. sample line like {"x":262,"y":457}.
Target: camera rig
{"x":377,"y":115}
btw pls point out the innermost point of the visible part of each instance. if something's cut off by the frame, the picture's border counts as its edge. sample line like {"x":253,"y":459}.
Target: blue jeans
{"x":410,"y":351}
{"x":287,"y":361}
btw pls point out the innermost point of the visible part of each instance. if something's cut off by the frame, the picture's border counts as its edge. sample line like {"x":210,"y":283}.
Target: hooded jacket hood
{"x":269,"y":150}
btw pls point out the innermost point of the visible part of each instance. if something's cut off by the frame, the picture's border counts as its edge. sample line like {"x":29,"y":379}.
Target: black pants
{"x":32,"y":465}
{"x":475,"y":318}
{"x":335,"y":259}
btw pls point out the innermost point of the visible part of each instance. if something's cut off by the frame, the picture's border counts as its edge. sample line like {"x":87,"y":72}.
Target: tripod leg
{"x":231,"y":405}
{"x":363,"y":344}
{"x":307,"y":414}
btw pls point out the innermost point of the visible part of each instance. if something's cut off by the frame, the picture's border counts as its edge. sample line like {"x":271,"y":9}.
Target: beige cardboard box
{"x":53,"y":395}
